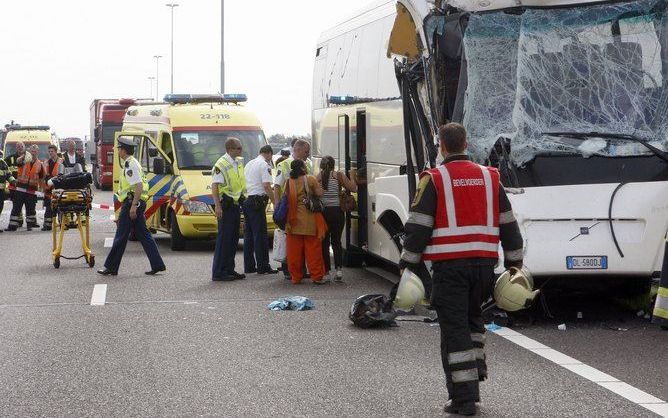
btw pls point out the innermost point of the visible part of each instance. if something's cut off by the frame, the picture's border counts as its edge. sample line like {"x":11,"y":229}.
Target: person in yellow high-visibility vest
{"x":228,"y":190}
{"x":132,"y":193}
{"x":661,"y":305}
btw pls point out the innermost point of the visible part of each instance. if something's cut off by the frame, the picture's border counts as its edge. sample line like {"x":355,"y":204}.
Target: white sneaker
{"x":338,"y":278}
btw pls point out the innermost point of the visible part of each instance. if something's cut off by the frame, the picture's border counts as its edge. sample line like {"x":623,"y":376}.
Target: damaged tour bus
{"x":568,"y":99}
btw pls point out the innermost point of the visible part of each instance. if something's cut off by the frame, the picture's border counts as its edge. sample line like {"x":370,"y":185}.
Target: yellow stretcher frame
{"x":71,"y":209}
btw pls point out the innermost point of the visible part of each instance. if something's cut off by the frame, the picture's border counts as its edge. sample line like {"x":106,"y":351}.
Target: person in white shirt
{"x":71,"y":158}
{"x":260,"y":193}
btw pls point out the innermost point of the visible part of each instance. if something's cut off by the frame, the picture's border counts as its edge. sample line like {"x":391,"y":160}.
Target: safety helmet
{"x":370,"y":311}
{"x":513,"y":290}
{"x":410,"y":291}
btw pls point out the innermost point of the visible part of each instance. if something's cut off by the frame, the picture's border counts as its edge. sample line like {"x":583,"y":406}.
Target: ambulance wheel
{"x":178,"y":241}
{"x":56,"y":262}
{"x":91,"y":261}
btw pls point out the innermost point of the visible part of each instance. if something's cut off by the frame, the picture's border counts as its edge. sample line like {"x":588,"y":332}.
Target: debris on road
{"x":294,"y":303}
{"x":561,"y":327}
{"x":616,"y":328}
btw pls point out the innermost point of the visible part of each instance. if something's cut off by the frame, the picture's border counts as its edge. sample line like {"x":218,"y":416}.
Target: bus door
{"x":345,"y":165}
{"x":358,"y":156}
{"x":354,"y":141}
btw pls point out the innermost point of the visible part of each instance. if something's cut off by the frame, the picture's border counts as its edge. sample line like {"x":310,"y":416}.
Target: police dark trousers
{"x":113,"y":261}
{"x":256,"y":243}
{"x":226,"y":242}
{"x":28,"y":200}
{"x":459,"y":289}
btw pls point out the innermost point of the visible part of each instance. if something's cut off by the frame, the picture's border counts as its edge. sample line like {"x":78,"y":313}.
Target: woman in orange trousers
{"x":304,"y":229}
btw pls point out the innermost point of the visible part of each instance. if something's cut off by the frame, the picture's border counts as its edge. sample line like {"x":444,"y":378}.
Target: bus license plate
{"x":589,"y":262}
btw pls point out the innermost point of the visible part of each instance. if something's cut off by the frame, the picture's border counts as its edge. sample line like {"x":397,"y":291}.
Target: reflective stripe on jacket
{"x":466,"y":224}
{"x":29,"y":175}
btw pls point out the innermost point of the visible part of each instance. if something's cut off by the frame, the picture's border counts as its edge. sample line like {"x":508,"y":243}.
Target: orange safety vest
{"x":29,"y":176}
{"x":466,"y":224}
{"x":49,"y":175}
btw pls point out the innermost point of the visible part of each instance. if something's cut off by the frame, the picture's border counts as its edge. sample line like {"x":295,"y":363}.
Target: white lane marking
{"x":99,"y":295}
{"x":613,"y":384}
{"x":660,"y":409}
{"x":108,"y":242}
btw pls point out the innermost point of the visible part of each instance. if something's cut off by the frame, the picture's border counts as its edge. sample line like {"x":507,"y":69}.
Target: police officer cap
{"x":126,"y":141}
{"x":285,"y":152}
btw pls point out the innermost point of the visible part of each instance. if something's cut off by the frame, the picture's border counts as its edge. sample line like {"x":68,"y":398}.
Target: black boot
{"x":460,"y":408}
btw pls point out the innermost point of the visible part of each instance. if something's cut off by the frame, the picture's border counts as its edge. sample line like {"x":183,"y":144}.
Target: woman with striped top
{"x":332,"y":183}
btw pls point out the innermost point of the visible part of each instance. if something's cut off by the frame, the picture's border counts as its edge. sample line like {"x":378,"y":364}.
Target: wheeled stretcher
{"x":71,"y":204}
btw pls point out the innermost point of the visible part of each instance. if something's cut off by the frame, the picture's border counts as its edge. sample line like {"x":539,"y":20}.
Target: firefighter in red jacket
{"x":459,"y":215}
{"x":51,"y":168}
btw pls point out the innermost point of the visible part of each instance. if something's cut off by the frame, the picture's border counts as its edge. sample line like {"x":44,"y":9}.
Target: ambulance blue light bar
{"x":17,"y":127}
{"x":205,"y":98}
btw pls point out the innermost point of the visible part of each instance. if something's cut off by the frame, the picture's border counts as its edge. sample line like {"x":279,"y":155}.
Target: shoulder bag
{"x":312,"y":203}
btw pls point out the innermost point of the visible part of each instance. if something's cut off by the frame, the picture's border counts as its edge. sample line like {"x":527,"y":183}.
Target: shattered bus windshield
{"x":597,"y":68}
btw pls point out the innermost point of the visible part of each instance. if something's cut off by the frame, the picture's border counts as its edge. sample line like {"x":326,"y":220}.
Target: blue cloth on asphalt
{"x":295,"y":303}
{"x":492,"y":327}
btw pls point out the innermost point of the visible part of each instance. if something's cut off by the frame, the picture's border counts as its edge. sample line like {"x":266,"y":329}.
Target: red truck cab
{"x":106,"y":118}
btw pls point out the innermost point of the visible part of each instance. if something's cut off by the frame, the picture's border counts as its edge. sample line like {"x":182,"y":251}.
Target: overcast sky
{"x":57,"y":56}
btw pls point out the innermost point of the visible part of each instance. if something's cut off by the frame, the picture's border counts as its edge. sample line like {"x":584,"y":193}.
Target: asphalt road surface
{"x":180,"y":344}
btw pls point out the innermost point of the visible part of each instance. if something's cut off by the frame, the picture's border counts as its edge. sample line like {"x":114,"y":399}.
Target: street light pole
{"x":151,"y":80}
{"x":222,"y":46}
{"x":157,"y":76}
{"x":172,"y":6}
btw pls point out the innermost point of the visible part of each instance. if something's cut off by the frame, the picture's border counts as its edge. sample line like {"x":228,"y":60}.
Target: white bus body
{"x":510,"y":70}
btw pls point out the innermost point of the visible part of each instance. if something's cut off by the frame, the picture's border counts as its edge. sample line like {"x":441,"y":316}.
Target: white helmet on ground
{"x":513,"y":290}
{"x":410,"y":291}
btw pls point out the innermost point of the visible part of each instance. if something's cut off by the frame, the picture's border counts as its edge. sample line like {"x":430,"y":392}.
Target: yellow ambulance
{"x":178,"y":143}
{"x":29,"y":135}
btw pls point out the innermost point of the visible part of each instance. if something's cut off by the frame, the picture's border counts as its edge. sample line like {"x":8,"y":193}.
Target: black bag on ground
{"x":371,"y":311}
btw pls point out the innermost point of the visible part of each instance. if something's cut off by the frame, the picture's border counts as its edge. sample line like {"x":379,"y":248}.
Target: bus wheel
{"x":178,"y":241}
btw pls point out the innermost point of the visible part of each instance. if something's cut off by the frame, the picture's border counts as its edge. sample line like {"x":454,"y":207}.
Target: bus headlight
{"x":194,"y":206}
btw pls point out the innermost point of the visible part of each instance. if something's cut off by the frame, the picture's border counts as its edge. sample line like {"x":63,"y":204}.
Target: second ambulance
{"x":178,"y":143}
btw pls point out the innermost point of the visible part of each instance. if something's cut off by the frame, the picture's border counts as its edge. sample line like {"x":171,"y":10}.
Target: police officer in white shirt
{"x":260,"y":193}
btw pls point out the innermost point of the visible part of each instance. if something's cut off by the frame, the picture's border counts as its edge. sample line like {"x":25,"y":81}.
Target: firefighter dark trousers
{"x":142,"y":233}
{"x":30,"y":202}
{"x":459,"y":289}
{"x":227,"y":241}
{"x":256,"y":241}
{"x":48,"y":213}
{"x":3,"y":196}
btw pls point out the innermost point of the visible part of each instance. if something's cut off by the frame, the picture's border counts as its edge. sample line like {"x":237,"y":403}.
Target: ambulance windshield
{"x":599,"y":68}
{"x":199,"y":150}
{"x":10,"y":148}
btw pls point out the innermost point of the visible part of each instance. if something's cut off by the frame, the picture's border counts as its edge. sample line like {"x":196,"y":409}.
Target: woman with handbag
{"x":336,"y":200}
{"x":305,"y":226}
